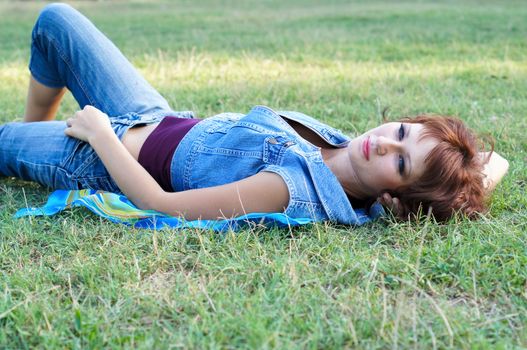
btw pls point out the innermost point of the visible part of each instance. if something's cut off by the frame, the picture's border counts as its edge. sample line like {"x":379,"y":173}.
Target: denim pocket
{"x":87,"y":169}
{"x":79,"y":159}
{"x":274,"y":149}
{"x":104,"y":183}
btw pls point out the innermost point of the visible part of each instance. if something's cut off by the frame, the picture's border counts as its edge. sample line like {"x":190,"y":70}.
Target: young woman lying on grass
{"x":127,"y":139}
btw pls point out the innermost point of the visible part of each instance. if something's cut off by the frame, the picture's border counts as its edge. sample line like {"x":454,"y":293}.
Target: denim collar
{"x":327,"y":186}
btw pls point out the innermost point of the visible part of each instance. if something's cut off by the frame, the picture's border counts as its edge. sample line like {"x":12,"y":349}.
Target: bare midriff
{"x":134,"y":138}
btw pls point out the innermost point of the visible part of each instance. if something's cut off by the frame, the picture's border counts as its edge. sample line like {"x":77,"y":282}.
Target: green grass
{"x":76,"y":281}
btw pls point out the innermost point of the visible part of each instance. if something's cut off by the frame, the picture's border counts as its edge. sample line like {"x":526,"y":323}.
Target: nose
{"x":387,"y":145}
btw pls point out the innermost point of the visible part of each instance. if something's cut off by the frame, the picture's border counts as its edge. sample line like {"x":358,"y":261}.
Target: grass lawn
{"x":76,"y":281}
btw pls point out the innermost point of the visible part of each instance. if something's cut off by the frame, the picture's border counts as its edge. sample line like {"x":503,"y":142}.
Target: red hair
{"x":453,"y":179}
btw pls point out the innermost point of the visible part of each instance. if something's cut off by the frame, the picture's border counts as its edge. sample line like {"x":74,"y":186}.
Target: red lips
{"x":366,"y":148}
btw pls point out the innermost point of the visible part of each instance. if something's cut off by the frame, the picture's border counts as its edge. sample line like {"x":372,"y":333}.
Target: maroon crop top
{"x":159,"y":147}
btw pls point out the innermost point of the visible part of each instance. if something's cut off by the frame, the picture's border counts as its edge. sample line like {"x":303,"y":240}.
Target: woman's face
{"x":390,"y":156}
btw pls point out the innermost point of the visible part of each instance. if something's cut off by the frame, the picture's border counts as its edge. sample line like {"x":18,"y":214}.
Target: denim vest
{"x":231,"y":146}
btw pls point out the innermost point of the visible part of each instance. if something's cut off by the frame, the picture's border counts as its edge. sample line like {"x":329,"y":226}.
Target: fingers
{"x":68,"y":132}
{"x":396,"y":206}
{"x":71,"y":120}
{"x":385,"y":199}
{"x":392,"y":203}
{"x":69,"y":126}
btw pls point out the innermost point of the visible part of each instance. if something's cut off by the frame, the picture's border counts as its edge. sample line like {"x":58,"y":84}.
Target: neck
{"x":338,"y":161}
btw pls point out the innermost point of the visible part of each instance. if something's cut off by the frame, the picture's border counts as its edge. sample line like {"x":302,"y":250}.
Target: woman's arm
{"x":263,"y":192}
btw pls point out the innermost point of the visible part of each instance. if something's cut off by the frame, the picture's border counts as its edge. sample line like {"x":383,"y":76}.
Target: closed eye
{"x":401,"y":164}
{"x":401,"y":132}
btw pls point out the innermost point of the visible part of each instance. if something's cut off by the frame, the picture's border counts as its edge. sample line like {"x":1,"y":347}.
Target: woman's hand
{"x":88,"y":123}
{"x":494,"y":170}
{"x":393,"y":204}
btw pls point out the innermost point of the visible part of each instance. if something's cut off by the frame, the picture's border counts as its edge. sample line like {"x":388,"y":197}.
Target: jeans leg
{"x":68,"y":50}
{"x":41,"y":152}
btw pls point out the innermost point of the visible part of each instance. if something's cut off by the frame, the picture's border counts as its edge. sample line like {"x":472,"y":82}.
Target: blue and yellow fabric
{"x":117,"y":208}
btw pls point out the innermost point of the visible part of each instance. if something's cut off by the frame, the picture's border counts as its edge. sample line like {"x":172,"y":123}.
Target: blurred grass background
{"x":75,"y":281}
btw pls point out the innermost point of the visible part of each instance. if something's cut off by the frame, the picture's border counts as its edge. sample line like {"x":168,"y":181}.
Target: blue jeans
{"x":67,"y":50}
